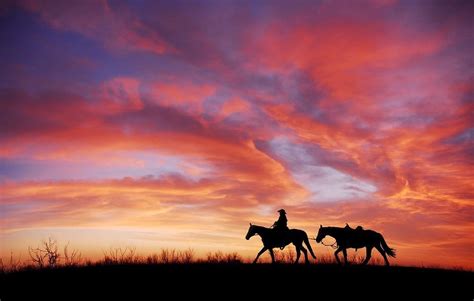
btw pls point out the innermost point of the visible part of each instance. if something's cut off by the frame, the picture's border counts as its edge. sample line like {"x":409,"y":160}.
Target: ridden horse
{"x":350,"y":238}
{"x":272,"y":238}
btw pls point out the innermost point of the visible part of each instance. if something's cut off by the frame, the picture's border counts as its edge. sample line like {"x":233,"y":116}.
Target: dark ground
{"x":234,"y":281}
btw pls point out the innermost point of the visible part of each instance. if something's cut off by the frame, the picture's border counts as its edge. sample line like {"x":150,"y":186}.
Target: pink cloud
{"x":185,"y":95}
{"x":233,"y":105}
{"x":113,"y":26}
{"x":122,"y":94}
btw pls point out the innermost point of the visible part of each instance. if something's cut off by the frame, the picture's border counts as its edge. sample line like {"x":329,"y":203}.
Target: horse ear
{"x":320,"y":226}
{"x":250,"y":224}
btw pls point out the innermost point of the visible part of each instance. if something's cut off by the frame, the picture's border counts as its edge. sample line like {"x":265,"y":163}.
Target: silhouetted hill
{"x":229,"y":281}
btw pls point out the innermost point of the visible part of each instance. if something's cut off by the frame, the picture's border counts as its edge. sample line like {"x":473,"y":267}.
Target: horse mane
{"x":335,"y":228}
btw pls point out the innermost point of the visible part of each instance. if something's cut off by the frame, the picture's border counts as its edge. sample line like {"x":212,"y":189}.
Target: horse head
{"x":250,"y":232}
{"x":321,"y":234}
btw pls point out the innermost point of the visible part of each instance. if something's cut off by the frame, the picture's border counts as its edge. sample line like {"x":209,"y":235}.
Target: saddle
{"x":281,"y":235}
{"x":355,"y":234}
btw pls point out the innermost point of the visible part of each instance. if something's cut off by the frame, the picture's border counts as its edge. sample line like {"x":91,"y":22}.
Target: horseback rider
{"x":282,"y":222}
{"x":281,"y":226}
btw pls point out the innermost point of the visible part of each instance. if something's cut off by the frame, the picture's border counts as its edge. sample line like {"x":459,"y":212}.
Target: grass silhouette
{"x":122,"y":271}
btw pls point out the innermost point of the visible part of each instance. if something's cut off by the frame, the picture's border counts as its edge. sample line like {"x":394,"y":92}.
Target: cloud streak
{"x":113,"y":26}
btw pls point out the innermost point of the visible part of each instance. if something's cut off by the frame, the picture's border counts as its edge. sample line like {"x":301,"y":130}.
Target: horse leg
{"x":298,"y":253}
{"x":260,"y":253}
{"x":337,"y":252}
{"x":305,"y":253}
{"x":271,"y":254}
{"x":382,"y":251}
{"x":344,"y":252}
{"x":369,"y":254}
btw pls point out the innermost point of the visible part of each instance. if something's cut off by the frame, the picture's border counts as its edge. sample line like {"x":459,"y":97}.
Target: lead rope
{"x":334,"y":245}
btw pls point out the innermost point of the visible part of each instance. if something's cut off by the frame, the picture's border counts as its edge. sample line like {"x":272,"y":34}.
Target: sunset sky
{"x":173,"y":124}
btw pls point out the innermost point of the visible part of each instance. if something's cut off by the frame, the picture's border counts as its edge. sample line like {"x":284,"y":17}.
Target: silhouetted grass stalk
{"x":48,"y":255}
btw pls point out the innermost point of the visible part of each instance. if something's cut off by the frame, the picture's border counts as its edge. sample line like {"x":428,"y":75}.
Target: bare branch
{"x":51,"y":251}
{"x":73,"y":258}
{"x":37,"y":256}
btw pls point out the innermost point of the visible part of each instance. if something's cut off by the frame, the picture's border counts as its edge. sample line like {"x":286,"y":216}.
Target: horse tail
{"x":306,"y":241}
{"x":386,"y":248}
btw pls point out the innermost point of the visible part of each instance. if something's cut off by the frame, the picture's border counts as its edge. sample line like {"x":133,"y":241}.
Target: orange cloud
{"x":348,"y":58}
{"x":187,"y":96}
{"x":233,"y":105}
